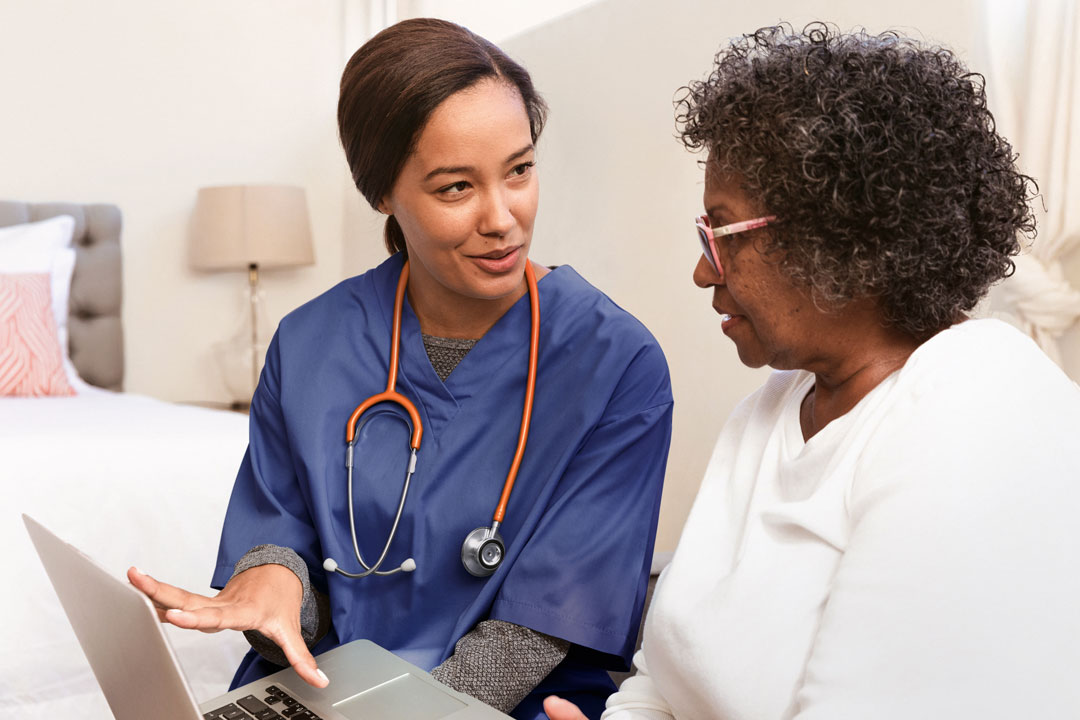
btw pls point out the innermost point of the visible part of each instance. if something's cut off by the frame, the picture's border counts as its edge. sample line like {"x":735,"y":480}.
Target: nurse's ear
{"x":384,"y":206}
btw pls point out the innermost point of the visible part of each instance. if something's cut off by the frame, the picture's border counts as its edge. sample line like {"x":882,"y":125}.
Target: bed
{"x":129,"y":479}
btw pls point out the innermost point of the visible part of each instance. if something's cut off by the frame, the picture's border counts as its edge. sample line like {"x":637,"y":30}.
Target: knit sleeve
{"x":500,"y":663}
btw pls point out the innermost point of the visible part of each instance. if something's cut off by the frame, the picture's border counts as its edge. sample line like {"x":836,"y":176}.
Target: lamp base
{"x":241,"y":357}
{"x":234,"y":359}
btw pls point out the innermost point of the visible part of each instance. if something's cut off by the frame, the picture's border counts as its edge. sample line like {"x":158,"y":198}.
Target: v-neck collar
{"x":502,"y":349}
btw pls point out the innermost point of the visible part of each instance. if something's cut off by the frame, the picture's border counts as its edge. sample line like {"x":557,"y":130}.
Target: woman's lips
{"x":728,"y":321}
{"x":497,"y":263}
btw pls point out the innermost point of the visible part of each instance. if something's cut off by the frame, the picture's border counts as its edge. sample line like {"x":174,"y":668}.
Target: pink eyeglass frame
{"x":708,"y":235}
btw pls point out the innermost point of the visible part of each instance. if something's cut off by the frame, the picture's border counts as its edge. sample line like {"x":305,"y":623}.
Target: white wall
{"x":495,"y":20}
{"x":619,"y":192}
{"x":139,"y":104}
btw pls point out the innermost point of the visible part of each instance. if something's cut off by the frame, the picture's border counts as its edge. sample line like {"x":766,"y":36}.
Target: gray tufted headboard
{"x":96,"y":336}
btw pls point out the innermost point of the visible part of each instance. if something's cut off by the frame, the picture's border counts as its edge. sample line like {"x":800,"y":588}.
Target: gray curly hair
{"x":880,"y":159}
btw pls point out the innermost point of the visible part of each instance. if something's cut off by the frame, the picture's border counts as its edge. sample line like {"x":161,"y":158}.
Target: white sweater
{"x":918,"y":558}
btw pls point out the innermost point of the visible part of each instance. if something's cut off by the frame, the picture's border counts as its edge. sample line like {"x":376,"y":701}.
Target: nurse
{"x":439,"y":129}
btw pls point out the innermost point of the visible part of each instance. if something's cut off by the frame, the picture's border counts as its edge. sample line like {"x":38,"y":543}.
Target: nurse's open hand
{"x":559,"y":709}
{"x":265,"y":598}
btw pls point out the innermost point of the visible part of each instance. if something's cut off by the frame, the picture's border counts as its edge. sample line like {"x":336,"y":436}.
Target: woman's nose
{"x":704,"y":274}
{"x":496,"y":218}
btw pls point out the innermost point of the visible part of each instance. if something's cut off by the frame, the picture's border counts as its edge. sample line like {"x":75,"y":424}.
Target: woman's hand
{"x":559,"y":709}
{"x":265,"y":598}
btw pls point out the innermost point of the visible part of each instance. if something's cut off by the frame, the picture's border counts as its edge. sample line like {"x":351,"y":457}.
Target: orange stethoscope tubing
{"x":530,"y":391}
{"x":483,"y":545}
{"x":391,"y":394}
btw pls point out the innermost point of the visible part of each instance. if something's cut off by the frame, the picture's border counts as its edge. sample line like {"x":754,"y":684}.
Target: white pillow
{"x":45,"y":247}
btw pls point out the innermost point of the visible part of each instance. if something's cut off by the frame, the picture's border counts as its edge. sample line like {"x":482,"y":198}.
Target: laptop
{"x":138,"y":672}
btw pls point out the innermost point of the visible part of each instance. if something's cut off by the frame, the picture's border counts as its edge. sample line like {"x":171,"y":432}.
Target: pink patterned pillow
{"x":31,"y":364}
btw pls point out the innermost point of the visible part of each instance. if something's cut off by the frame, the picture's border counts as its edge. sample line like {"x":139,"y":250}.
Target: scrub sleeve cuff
{"x":314,"y":608}
{"x":608,"y":641}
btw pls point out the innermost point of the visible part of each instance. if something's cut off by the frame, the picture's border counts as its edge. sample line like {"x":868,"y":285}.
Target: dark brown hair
{"x":393,"y":84}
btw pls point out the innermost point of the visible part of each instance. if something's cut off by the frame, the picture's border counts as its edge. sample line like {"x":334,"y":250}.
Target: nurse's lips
{"x":498,"y":261}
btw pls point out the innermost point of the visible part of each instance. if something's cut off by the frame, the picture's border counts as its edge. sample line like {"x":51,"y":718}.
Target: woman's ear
{"x":384,"y":207}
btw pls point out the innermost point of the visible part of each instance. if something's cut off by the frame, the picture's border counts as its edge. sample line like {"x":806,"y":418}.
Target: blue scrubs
{"x":580,"y":524}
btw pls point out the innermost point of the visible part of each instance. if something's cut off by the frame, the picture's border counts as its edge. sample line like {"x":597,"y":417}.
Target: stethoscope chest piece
{"x":483,"y":551}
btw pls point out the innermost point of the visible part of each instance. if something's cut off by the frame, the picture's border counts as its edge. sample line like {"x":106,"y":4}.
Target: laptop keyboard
{"x":275,"y":704}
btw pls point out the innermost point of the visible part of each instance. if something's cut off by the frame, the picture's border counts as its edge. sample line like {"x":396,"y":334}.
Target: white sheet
{"x":131,"y":481}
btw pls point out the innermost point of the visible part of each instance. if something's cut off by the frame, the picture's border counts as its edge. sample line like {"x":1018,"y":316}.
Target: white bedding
{"x":131,"y":481}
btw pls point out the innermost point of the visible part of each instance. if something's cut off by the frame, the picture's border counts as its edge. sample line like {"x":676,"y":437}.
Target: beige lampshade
{"x":236,"y":226}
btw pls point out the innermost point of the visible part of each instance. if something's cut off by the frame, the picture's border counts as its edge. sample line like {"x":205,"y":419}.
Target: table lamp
{"x":249,"y":227}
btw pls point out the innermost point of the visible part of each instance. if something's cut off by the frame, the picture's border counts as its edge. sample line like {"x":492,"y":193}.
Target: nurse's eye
{"x":458,"y":187}
{"x":523,"y":169}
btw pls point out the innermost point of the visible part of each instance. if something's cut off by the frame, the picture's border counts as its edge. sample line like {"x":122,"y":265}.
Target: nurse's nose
{"x":704,"y":274}
{"x":495,"y":215}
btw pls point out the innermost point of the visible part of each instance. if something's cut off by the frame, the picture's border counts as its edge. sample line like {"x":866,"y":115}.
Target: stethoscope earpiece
{"x":330,"y":565}
{"x":483,"y":551}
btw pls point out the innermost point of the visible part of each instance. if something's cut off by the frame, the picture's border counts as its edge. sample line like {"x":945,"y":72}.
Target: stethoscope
{"x":483,"y":550}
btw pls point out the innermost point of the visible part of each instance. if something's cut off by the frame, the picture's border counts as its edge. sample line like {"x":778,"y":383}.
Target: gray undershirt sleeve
{"x":314,"y":609}
{"x":500,"y":663}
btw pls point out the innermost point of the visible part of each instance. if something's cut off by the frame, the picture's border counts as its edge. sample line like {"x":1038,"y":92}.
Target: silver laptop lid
{"x":119,"y":632}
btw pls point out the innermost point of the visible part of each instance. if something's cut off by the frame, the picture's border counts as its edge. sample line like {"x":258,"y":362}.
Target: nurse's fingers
{"x":163,"y":595}
{"x":301,"y":659}
{"x":207,"y":619}
{"x":559,"y":709}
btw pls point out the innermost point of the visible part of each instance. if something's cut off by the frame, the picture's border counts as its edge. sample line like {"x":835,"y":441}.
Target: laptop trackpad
{"x":406,"y":697}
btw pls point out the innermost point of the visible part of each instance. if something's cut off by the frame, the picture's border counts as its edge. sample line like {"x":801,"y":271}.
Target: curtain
{"x":1033,"y":86}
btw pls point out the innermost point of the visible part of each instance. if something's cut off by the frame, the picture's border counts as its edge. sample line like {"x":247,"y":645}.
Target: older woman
{"x":887,"y":528}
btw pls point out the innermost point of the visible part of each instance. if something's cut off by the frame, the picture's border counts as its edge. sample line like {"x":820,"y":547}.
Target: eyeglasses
{"x":708,"y":235}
